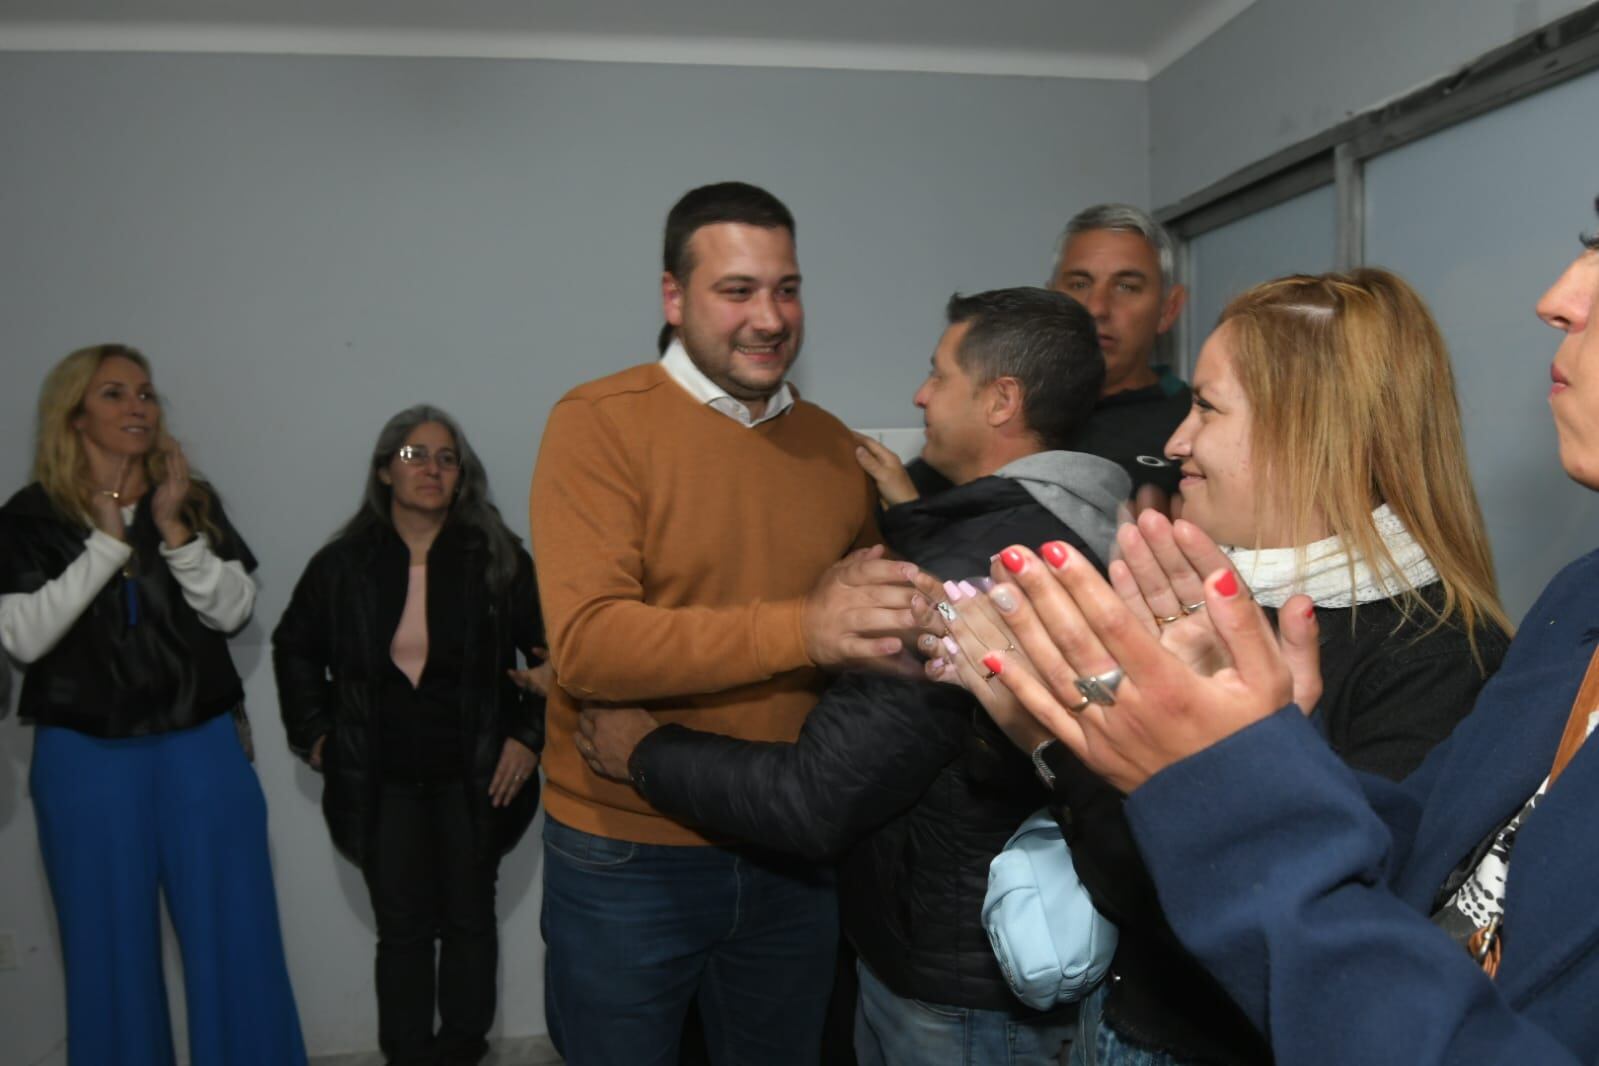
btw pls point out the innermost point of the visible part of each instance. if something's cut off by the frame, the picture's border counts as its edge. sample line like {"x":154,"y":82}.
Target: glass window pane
{"x":1297,"y":236}
{"x":1481,"y":218}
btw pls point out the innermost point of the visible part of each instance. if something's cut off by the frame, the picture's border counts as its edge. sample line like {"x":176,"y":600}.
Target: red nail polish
{"x":1054,"y":553}
{"x":994,"y":662}
{"x":1310,"y":612}
{"x":1012,"y":560}
{"x":1227,"y":585}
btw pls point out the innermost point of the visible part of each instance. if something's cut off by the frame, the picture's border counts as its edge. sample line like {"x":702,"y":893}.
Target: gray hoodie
{"x":1084,"y":491}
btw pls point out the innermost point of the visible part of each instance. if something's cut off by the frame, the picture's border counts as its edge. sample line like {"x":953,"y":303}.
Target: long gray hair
{"x":471,"y":506}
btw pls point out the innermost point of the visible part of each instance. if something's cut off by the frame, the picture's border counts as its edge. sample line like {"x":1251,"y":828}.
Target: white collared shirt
{"x":681,"y":369}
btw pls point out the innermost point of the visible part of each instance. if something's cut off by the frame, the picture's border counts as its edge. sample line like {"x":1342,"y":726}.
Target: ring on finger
{"x":990,"y":675}
{"x":1101,"y":688}
{"x":1191,"y":608}
{"x":1165,"y":620}
{"x":1077,"y":708}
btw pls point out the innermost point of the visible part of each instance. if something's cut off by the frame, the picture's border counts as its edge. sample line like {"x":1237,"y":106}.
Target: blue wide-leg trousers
{"x":122,"y":822}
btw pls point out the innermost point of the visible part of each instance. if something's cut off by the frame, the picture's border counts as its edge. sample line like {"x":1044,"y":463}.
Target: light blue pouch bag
{"x":1052,"y":945}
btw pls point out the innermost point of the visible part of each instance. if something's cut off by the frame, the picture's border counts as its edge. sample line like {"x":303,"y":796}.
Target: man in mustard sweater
{"x":690,"y":519}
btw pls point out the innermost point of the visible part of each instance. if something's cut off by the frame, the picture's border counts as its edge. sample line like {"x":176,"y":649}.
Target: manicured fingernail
{"x":1003,"y":598}
{"x":1227,"y":585}
{"x":952,"y":590}
{"x":945,"y":611}
{"x":985,"y":583}
{"x":928,"y":643}
{"x":994,"y":662}
{"x":1054,"y":554}
{"x":951,"y":647}
{"x":937,"y":664}
{"x":1013,"y":560}
{"x":918,"y":602}
{"x":910,"y":571}
{"x":968,"y":589}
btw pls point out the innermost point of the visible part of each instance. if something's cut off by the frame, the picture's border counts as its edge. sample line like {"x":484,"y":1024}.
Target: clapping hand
{"x":166,"y":507}
{"x":1160,"y":577}
{"x":105,"y":506}
{"x":1067,"y":623}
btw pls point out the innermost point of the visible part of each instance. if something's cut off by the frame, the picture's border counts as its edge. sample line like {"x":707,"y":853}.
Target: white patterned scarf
{"x":1275,"y":574}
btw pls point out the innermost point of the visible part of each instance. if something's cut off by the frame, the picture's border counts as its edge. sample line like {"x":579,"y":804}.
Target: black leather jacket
{"x":909,"y":781}
{"x":330,"y":653}
{"x":119,"y":671}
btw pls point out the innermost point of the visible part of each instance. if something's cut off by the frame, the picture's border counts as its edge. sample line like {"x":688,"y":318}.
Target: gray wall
{"x":305,"y":245}
{"x":1285,"y":70}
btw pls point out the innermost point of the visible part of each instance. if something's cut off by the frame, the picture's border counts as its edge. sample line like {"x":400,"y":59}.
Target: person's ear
{"x":1004,"y":401}
{"x":1171,"y":306}
{"x":672,"y":297}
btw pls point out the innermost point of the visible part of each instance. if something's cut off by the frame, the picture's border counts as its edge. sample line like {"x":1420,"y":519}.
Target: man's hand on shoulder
{"x":858,"y":609}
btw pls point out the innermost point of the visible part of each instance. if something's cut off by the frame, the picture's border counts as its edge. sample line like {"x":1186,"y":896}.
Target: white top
{"x":31,"y":623}
{"x":681,"y":369}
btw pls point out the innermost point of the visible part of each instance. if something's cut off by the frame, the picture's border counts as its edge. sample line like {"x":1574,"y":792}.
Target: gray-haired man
{"x":1118,"y":262}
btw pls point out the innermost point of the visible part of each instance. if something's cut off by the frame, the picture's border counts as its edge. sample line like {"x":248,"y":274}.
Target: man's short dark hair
{"x":727,"y":201}
{"x":1047,"y":341}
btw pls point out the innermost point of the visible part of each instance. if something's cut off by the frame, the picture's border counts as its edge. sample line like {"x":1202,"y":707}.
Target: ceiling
{"x":1126,"y":39}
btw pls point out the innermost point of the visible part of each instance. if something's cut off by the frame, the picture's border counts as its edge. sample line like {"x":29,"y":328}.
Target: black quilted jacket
{"x":907,"y":781}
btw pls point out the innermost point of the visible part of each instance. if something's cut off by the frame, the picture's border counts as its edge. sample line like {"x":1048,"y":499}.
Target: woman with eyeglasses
{"x":120,"y":580}
{"x":396,"y":670}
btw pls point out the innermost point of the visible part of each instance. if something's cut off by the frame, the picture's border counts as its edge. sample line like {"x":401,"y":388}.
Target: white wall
{"x":305,"y":245}
{"x":1285,"y":70}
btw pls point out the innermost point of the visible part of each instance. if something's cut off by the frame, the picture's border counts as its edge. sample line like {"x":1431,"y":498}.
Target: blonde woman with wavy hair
{"x":120,"y":579}
{"x":1357,"y":429}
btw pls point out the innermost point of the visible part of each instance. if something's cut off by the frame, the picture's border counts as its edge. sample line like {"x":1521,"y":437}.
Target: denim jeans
{"x":635,"y":932}
{"x":1099,"y":1044}
{"x":894,"y":1031}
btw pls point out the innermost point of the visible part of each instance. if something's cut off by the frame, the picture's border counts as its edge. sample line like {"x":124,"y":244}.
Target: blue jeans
{"x":893,"y":1031}
{"x":635,"y":932}
{"x":1099,"y":1044}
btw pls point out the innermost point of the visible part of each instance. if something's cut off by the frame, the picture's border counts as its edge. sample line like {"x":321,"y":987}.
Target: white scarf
{"x":1273,"y":574}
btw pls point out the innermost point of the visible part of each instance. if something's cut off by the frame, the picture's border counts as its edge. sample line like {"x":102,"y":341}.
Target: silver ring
{"x":1101,"y":688}
{"x":1190,"y":608}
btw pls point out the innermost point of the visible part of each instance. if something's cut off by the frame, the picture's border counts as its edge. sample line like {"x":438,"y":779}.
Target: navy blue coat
{"x":1321,"y":933}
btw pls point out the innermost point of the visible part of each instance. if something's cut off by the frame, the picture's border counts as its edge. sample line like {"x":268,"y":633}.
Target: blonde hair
{"x":1354,"y":405}
{"x":60,"y":464}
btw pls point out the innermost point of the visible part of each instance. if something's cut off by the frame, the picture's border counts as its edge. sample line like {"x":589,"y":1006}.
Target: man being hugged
{"x":692,"y":515}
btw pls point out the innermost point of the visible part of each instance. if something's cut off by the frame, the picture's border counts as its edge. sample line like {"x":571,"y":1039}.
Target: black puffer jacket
{"x":910,"y":779}
{"x":330,"y":652}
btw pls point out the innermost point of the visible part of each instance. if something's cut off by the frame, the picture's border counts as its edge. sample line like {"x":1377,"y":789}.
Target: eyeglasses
{"x":418,"y":455}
